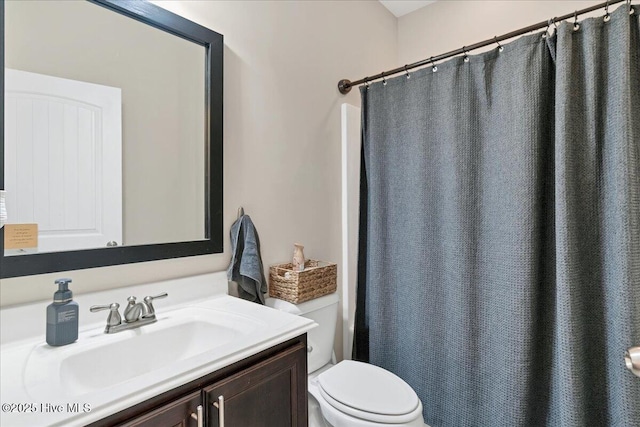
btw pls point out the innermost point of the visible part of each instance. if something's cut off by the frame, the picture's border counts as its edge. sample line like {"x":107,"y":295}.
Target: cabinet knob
{"x":198,"y":416}
{"x":220,"y":405}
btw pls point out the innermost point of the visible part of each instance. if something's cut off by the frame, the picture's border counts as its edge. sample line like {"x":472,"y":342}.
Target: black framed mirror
{"x":183,"y":93}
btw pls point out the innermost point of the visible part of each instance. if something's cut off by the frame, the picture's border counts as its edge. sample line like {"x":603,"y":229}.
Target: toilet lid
{"x":369,"y":392}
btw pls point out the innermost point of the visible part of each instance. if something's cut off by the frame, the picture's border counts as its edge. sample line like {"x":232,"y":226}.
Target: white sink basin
{"x":107,"y":360}
{"x":199,"y":330}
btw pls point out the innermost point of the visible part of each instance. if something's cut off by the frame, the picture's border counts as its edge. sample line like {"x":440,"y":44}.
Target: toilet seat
{"x":368,"y":392}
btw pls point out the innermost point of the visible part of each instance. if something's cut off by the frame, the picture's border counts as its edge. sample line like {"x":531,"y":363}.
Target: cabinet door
{"x":182,"y":412}
{"x":272,"y":393}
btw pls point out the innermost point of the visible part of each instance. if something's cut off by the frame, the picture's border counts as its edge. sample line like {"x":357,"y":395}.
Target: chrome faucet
{"x":133,"y":310}
{"x":136,"y":314}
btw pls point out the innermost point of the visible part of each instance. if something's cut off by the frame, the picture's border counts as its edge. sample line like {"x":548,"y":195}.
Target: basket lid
{"x":304,"y":307}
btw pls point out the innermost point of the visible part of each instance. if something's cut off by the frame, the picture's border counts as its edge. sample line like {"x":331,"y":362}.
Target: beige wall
{"x":282,"y":129}
{"x":162,"y":82}
{"x":447,"y":25}
{"x":282,"y":118}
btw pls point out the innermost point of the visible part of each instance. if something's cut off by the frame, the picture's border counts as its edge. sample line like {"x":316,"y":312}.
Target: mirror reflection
{"x":104,"y":130}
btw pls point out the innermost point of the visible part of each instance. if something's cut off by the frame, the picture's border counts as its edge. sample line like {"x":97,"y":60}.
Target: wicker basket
{"x":318,"y":279}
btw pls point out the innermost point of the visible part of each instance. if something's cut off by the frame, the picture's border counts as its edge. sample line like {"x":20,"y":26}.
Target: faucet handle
{"x":162,"y":295}
{"x":113,"y":307}
{"x":114,"y":318}
{"x":148,"y":300}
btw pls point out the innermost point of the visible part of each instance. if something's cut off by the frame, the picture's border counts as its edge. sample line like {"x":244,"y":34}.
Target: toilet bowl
{"x":349,"y":393}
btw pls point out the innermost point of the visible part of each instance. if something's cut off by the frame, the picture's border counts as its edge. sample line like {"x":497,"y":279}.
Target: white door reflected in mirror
{"x":63,"y":160}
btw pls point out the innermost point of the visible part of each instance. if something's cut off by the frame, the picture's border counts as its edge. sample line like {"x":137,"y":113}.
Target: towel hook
{"x":240,"y":212}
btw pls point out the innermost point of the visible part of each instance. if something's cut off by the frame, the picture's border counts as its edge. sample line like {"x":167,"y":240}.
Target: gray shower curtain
{"x":499,"y":270}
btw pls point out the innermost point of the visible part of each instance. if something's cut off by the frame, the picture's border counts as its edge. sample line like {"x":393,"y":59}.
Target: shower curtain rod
{"x":345,"y":85}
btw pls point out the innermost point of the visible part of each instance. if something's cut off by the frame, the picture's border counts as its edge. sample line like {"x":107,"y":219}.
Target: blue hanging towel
{"x":246,"y":264}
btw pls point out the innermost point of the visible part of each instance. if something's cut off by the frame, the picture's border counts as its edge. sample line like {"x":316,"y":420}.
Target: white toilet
{"x":349,"y":394}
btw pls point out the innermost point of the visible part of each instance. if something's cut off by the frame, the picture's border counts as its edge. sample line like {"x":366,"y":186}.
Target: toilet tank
{"x":323,"y":311}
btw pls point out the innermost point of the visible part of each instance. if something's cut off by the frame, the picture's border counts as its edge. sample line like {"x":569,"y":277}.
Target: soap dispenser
{"x":62,"y":316}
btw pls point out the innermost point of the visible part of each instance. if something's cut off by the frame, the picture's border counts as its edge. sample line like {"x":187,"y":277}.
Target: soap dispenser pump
{"x":62,"y":316}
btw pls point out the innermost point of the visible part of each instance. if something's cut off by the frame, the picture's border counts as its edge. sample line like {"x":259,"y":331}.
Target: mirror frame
{"x":50,"y":262}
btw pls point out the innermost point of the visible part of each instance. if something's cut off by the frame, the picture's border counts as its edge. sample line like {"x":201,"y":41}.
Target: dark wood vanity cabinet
{"x":268,"y":389}
{"x":174,"y":414}
{"x":267,"y":394}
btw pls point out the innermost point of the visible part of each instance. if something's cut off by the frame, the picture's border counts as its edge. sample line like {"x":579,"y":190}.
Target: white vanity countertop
{"x":37,"y":389}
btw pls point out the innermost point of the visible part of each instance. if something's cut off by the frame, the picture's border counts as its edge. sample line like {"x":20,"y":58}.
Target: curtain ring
{"x":466,"y":55}
{"x":407,"y":72}
{"x":546,"y":31}
{"x":366,"y":82}
{"x":552,"y":21}
{"x":384,"y":81}
{"x":500,"y":47}
{"x":631,"y":11}
{"x":607,"y":16}
{"x":576,"y":26}
{"x":434,"y":67}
